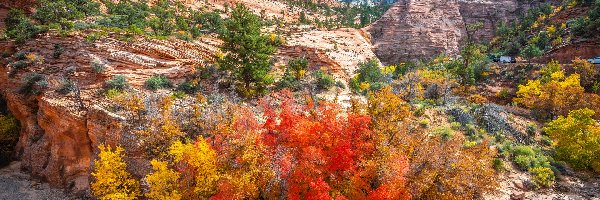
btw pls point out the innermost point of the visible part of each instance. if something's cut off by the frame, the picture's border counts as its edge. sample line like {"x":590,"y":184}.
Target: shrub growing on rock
{"x":368,"y":77}
{"x":190,"y":86}
{"x":294,"y":72}
{"x":323,"y":80}
{"x":98,"y":67}
{"x":20,"y":64}
{"x":298,"y":67}
{"x":542,"y":176}
{"x":527,"y":157}
{"x":67,"y":87}
{"x":157,"y":82}
{"x":535,"y":162}
{"x":34,"y":83}
{"x":118,"y":82}
{"x":288,"y":81}
{"x":58,"y":50}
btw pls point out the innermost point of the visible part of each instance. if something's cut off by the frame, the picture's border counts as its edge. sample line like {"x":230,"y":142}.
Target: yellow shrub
{"x":131,"y":102}
{"x":112,"y":179}
{"x":542,"y":176}
{"x":163,"y":182}
{"x":201,"y":160}
{"x":577,"y":139}
{"x":551,"y":29}
{"x":364,"y":85}
{"x":557,"y":96}
{"x":477,"y":99}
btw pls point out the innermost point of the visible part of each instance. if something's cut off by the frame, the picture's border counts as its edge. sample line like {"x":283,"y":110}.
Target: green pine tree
{"x":248,"y":52}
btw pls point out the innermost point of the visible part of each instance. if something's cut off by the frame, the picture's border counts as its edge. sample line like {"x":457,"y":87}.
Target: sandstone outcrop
{"x":412,"y":30}
{"x":422,"y":29}
{"x":490,"y":13}
{"x":339,"y":50}
{"x":60,"y":133}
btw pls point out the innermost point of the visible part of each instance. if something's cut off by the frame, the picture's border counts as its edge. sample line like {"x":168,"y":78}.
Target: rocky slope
{"x":60,"y":133}
{"x":17,"y":185}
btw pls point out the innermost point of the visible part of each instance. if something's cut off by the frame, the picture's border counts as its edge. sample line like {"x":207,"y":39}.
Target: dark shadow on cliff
{"x":9,"y":133}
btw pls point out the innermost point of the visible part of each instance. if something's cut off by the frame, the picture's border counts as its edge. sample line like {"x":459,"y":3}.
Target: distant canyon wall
{"x":422,"y":29}
{"x":414,"y":29}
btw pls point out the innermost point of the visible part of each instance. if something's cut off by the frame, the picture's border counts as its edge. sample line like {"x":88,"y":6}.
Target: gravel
{"x":15,"y":184}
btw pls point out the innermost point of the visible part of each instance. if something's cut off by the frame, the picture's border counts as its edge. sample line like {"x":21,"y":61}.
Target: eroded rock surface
{"x":417,"y":29}
{"x":60,"y":133}
{"x":422,"y":29}
{"x":340,"y":50}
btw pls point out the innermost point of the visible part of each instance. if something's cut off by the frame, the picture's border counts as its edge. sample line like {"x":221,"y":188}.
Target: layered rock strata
{"x":417,"y":29}
{"x":60,"y":133}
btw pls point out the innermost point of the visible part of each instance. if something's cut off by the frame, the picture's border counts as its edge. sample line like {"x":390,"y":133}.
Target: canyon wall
{"x":416,"y":29}
{"x":60,"y":133}
{"x":490,"y":13}
{"x":422,"y":29}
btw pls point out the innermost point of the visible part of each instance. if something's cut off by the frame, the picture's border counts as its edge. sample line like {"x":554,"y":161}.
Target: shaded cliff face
{"x":417,"y":29}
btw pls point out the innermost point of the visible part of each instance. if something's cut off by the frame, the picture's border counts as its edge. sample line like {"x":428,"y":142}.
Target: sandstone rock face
{"x":60,"y":133}
{"x":490,"y":13}
{"x":422,"y":29}
{"x":339,"y":50}
{"x":417,"y":29}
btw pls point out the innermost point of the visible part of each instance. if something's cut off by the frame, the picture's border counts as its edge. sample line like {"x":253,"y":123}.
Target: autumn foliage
{"x":555,"y":96}
{"x":326,"y":153}
{"x":293,"y":150}
{"x":577,"y":139}
{"x":439,"y":167}
{"x":112,"y":181}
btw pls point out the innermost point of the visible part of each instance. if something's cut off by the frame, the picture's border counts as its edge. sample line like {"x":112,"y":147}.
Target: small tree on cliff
{"x":248,"y":51}
{"x":531,"y":51}
{"x":473,"y":56}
